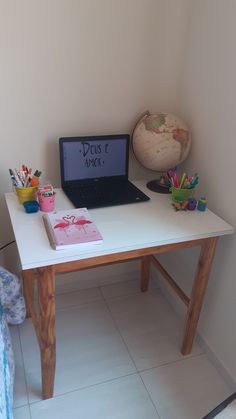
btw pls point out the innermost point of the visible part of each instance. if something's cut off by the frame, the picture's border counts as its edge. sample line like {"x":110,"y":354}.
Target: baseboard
{"x":225,"y":409}
{"x":217,"y":363}
{"x":180,"y":311}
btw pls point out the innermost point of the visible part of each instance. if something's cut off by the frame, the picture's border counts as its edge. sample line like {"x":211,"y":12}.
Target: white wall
{"x":170,"y":22}
{"x":68,"y":68}
{"x":207,"y":103}
{"x":71,"y":67}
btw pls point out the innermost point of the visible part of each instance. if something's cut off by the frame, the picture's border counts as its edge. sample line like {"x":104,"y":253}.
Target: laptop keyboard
{"x":95,"y":194}
{"x":93,"y":197}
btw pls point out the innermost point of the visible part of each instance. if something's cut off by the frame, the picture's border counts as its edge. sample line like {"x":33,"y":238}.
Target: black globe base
{"x":158,"y":186}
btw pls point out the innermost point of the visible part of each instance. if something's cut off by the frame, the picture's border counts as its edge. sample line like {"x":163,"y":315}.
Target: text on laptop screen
{"x":87,"y":159}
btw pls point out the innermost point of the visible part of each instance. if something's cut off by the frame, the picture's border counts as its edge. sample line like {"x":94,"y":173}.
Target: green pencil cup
{"x":181,"y":195}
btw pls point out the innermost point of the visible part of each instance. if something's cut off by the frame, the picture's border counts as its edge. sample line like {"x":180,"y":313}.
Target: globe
{"x":160,"y":142}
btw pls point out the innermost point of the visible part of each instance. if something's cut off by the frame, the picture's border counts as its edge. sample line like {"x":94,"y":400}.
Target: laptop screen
{"x":93,"y":157}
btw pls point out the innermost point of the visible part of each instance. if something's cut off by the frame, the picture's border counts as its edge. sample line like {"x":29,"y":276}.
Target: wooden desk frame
{"x":44,"y":277}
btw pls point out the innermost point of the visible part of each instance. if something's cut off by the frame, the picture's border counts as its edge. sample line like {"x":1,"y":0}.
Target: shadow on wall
{"x":50,"y":163}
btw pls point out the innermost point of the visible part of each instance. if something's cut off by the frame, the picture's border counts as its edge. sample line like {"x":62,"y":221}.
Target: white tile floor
{"x":118,"y":357}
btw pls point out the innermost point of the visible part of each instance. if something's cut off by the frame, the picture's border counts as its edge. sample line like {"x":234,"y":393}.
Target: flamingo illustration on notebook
{"x":70,"y":228}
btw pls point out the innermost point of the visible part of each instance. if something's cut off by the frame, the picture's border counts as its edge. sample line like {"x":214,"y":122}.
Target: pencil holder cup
{"x":46,"y":203}
{"x":26,"y":194}
{"x":181,"y":195}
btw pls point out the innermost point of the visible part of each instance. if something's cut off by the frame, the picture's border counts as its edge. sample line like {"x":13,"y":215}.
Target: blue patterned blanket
{"x":12,"y":311}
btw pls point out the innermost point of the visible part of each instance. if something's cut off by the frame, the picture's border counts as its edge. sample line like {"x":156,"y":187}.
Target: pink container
{"x":46,"y":203}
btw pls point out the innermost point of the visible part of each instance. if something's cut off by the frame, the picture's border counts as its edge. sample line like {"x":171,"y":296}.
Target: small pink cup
{"x":46,"y":203}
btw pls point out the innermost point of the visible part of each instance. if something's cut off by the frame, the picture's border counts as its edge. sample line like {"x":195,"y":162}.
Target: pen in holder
{"x":26,"y":194}
{"x":182,"y":188}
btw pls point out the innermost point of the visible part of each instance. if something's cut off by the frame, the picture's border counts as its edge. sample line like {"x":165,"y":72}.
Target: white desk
{"x":129,"y":232}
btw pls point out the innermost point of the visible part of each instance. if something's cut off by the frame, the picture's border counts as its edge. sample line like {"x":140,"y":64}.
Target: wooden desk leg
{"x":28,"y":288}
{"x":46,"y":297}
{"x":145,"y":272}
{"x":198,"y":292}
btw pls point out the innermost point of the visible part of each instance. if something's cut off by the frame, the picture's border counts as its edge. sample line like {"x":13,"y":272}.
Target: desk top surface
{"x":123,"y":227}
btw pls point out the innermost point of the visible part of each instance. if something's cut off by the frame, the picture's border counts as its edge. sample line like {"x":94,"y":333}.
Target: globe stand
{"x":161,"y":185}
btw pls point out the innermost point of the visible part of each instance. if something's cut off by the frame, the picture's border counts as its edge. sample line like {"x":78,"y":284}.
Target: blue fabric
{"x":12,"y":310}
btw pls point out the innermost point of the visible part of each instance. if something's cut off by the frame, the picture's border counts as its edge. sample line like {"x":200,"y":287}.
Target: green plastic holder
{"x":181,"y":195}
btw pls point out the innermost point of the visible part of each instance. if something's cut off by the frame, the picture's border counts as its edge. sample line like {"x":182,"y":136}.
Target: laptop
{"x":94,"y":171}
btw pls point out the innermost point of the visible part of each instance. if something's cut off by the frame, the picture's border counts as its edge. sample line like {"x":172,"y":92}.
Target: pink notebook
{"x":71,"y":228}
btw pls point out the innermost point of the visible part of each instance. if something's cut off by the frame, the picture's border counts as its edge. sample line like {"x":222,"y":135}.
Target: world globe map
{"x":160,"y":141}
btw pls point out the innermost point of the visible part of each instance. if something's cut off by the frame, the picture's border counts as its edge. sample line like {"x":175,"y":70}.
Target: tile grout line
{"x":115,"y":323}
{"x":83,"y":388}
{"x":74,"y":306}
{"x":23,"y":363}
{"x":150,"y":397}
{"x":148,"y":369}
{"x":155,"y":366}
{"x":118,"y":330}
{"x":171,"y":362}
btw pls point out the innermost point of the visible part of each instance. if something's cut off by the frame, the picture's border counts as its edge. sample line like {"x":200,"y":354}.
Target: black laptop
{"x":94,"y":171}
